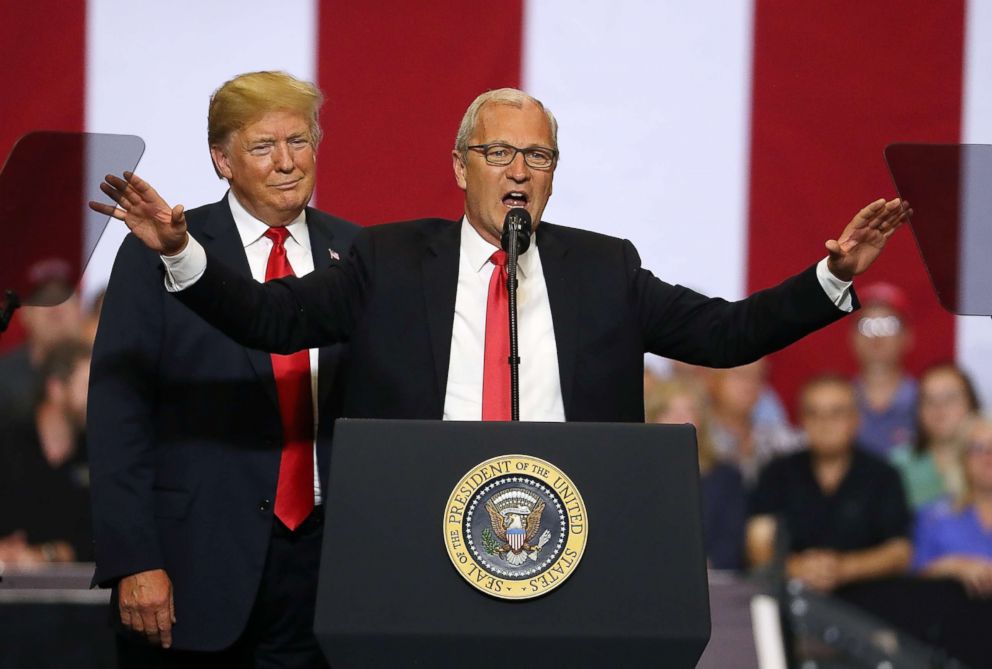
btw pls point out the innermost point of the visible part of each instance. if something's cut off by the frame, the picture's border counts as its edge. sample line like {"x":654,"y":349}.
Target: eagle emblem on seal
{"x":515,"y":517}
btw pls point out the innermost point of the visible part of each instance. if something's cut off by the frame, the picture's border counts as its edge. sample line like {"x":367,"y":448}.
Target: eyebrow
{"x":529,"y":146}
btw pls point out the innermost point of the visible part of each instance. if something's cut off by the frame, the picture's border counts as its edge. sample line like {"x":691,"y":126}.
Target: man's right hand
{"x":162,"y":228}
{"x":146,"y":605}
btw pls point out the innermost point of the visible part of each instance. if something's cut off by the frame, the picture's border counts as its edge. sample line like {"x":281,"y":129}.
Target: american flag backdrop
{"x":727,"y":139}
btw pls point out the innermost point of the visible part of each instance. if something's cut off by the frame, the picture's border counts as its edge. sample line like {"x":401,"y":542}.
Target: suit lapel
{"x":321,"y":247}
{"x":221,"y":238}
{"x":440,"y":277}
{"x":559,"y":276}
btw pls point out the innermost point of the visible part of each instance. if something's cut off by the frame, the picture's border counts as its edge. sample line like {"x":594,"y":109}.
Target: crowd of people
{"x":882,"y":475}
{"x":44,"y":471}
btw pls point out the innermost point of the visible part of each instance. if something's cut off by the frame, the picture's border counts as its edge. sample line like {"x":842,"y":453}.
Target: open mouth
{"x":516,"y":198}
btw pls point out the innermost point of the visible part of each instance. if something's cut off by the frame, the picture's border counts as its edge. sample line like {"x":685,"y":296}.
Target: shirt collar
{"x":477,"y":251}
{"x":250,"y":229}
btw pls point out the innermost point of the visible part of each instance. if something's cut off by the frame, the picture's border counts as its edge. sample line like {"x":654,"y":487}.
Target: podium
{"x":390,"y":595}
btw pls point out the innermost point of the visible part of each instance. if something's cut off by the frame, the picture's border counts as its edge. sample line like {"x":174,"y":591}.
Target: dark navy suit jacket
{"x":185,"y":435}
{"x":394,"y":301}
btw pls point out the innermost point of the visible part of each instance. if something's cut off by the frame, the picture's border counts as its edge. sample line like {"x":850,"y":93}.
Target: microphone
{"x":514,"y":240}
{"x":517,"y":221}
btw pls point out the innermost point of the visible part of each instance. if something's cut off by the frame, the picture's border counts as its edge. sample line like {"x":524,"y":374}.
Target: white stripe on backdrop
{"x":653,"y":101}
{"x":175,"y":55}
{"x":974,"y":334}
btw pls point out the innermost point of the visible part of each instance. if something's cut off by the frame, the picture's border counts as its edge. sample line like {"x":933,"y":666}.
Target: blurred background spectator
{"x":886,"y":393}
{"x":929,"y":464}
{"x":954,"y":536}
{"x":744,"y":432}
{"x":682,"y":401}
{"x":20,"y":375}
{"x":92,"y":318}
{"x":44,"y":480}
{"x":843,"y":510}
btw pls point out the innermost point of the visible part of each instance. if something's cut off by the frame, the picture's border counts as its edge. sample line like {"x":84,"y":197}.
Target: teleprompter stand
{"x":48,"y":231}
{"x":389,"y":596}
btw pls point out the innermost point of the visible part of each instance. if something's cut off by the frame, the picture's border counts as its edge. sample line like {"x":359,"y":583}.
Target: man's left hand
{"x":865,"y":237}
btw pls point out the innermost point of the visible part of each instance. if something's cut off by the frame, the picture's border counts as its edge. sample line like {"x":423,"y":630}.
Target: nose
{"x":282,"y":160}
{"x":518,"y":170}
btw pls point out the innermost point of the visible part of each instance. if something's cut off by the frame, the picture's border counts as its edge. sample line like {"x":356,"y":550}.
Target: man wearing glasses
{"x":420,"y":301}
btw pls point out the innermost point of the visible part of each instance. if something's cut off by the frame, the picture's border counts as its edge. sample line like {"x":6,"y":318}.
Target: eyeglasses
{"x":538,"y":157}
{"x":879,"y":326}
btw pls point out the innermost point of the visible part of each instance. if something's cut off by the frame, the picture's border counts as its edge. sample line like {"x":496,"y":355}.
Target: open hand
{"x":162,"y":228}
{"x":865,"y":236}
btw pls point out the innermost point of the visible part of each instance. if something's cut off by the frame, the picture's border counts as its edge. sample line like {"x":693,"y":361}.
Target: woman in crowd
{"x":929,"y":465}
{"x":954,"y":539}
{"x":724,"y":508}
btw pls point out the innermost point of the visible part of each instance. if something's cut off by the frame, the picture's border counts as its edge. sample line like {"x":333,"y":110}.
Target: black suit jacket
{"x":394,"y":300}
{"x":186,"y":436}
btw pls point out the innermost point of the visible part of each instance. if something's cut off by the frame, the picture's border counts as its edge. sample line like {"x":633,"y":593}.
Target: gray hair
{"x":501,"y":96}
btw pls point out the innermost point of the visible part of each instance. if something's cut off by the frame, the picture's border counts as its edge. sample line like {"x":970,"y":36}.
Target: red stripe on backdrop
{"x":42,"y":68}
{"x":398,"y":77}
{"x":833,"y":83}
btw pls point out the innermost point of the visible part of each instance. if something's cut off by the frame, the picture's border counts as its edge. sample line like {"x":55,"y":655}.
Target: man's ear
{"x":458,"y":163}
{"x":221,"y":162}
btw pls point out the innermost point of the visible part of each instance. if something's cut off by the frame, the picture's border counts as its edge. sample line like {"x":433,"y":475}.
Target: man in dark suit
{"x":414,"y":303}
{"x":204,"y":452}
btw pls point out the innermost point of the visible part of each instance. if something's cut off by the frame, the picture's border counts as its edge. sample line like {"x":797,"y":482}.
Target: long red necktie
{"x":294,"y":492}
{"x":496,"y":368}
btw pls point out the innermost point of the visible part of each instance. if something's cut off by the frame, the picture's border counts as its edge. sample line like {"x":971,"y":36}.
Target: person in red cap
{"x":886,"y":392}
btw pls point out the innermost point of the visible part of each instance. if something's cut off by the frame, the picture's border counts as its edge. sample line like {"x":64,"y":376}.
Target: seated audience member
{"x":44,"y":482}
{"x":954,"y":539}
{"x":886,"y":393}
{"x":724,"y":503}
{"x":843,"y":510}
{"x":737,"y":436}
{"x":930,"y":466}
{"x":20,"y":378}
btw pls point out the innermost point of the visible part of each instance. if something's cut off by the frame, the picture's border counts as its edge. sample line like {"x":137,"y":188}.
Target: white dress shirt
{"x":257,"y":247}
{"x":540,"y":381}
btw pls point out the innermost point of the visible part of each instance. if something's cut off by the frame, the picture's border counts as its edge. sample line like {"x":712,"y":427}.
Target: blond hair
{"x":247,"y":97}
{"x":512,"y":97}
{"x":659,"y":400}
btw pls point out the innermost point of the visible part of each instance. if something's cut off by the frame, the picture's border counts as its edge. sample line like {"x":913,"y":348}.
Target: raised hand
{"x":162,"y":228}
{"x":865,"y":236}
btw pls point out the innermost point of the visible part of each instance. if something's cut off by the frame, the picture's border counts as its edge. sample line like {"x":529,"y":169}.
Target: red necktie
{"x":496,"y":368}
{"x":294,"y":492}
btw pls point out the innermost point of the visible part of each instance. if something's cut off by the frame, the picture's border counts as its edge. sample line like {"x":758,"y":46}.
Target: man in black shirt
{"x":843,"y":510}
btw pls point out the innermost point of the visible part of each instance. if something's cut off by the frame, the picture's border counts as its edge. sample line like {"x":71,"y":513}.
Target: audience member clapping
{"x":930,"y":465}
{"x":681,"y":401}
{"x":843,"y":510}
{"x":954,"y":538}
{"x":886,"y":393}
{"x":44,"y":501}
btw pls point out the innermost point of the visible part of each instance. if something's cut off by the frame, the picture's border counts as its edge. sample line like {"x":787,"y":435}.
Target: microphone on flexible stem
{"x":514,"y":240}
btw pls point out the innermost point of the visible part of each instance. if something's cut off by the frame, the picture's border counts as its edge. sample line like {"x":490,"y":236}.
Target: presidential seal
{"x":515,"y":527}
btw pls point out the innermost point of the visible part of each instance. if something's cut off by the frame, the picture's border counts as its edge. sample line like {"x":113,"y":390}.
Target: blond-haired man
{"x":206,"y":455}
